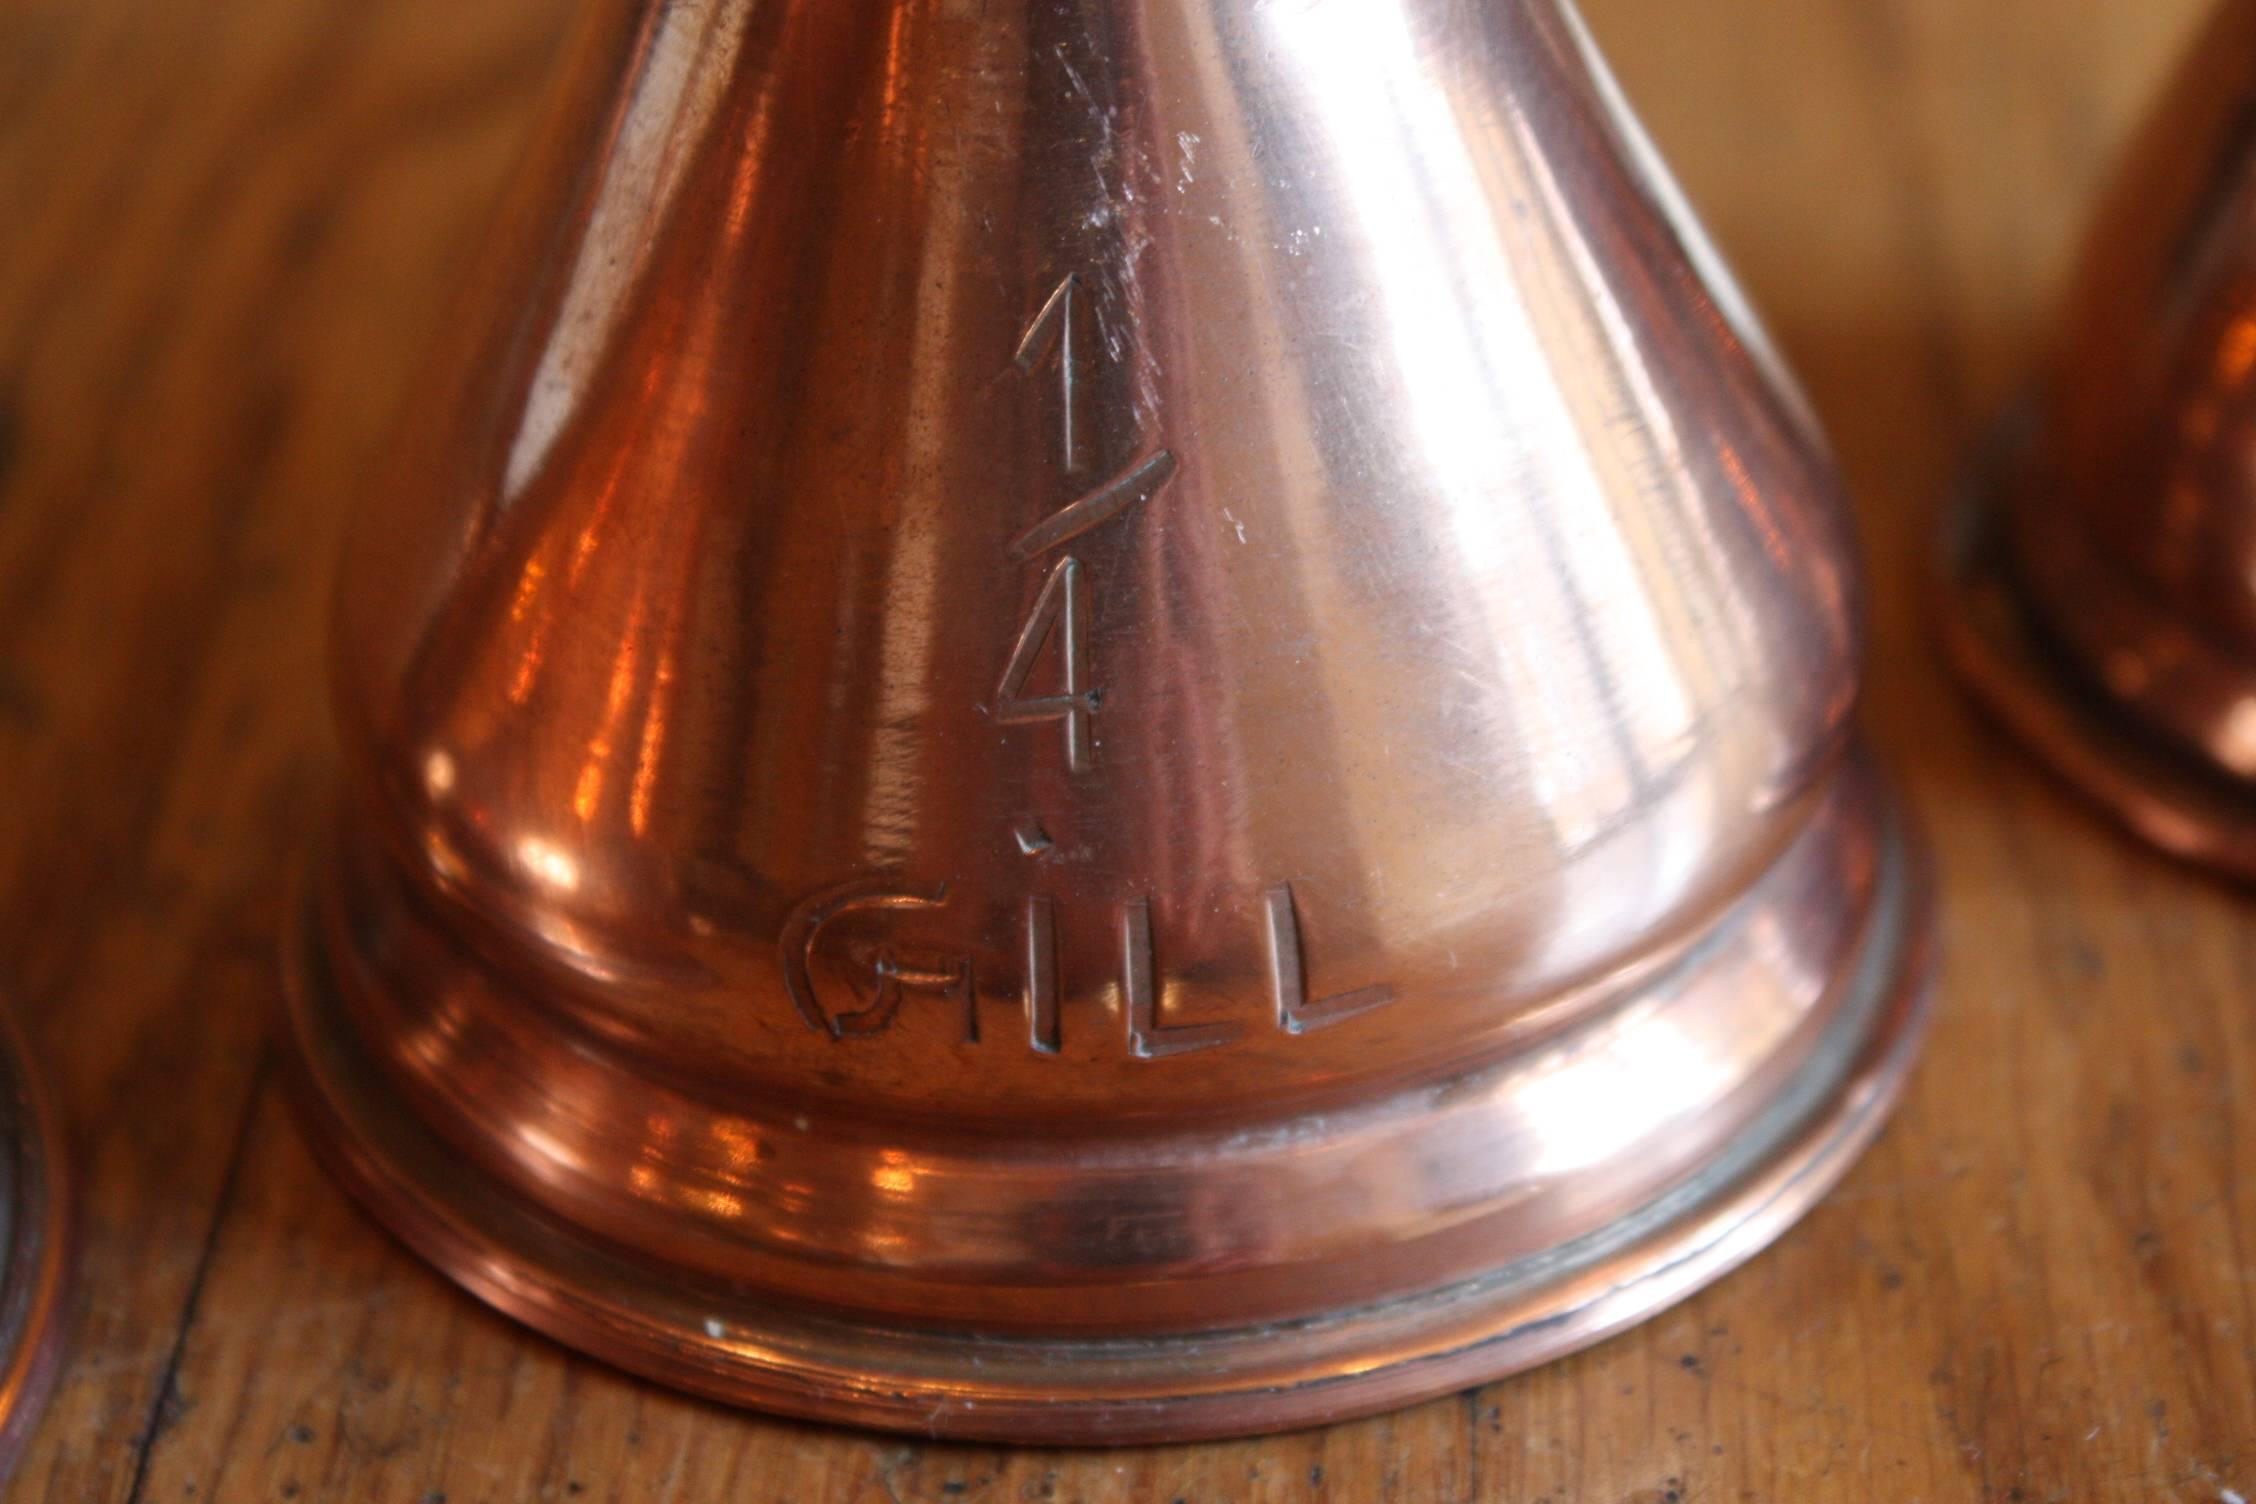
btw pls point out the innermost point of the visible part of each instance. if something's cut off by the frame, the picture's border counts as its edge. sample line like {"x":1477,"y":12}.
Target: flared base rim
{"x":1998,"y":647}
{"x":753,"y":1350}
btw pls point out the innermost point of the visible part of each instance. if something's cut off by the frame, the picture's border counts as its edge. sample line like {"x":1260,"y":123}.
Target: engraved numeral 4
{"x":1060,"y":611}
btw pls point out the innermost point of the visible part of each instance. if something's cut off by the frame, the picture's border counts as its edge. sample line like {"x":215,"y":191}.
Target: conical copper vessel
{"x":1100,"y":721}
{"x":2100,"y":587}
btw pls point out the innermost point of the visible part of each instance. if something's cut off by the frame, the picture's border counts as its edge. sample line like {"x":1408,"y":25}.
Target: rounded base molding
{"x":685,"y":1328}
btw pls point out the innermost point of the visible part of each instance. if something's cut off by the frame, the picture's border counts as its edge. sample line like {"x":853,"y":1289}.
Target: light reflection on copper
{"x":894,"y":1173}
{"x":547,"y":863}
{"x":587,"y":791}
{"x":681,"y":75}
{"x":653,"y":744}
{"x":716,"y":1203}
{"x":2236,"y":351}
{"x":739,"y":1143}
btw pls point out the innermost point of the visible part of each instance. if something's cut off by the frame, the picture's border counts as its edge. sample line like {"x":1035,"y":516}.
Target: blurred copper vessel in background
{"x":35,"y":1245}
{"x":1100,"y":721}
{"x":2100,"y":573}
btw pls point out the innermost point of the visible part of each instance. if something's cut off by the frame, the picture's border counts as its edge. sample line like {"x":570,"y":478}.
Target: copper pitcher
{"x":1100,"y":721}
{"x":2100,"y":583}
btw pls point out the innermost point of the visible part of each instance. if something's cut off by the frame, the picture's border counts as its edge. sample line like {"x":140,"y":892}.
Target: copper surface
{"x":2100,"y":582}
{"x":1100,"y":722}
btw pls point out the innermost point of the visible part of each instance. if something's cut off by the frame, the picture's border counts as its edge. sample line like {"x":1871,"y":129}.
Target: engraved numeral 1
{"x":1061,"y":610}
{"x":1054,"y":326}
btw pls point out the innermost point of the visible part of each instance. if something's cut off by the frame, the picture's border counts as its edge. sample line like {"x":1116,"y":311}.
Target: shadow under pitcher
{"x":1099,"y":722}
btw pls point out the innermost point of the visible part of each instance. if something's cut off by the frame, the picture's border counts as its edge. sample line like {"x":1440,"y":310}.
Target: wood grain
{"x":228,"y":226}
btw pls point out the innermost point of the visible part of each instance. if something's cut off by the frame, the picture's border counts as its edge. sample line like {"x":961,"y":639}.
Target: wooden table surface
{"x":223,"y":227}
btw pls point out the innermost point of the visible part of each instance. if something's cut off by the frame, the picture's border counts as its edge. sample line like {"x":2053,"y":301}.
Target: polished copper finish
{"x":1100,"y":722}
{"x":2100,"y":582}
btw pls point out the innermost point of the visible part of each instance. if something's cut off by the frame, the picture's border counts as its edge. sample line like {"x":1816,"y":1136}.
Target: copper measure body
{"x":1100,"y":722}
